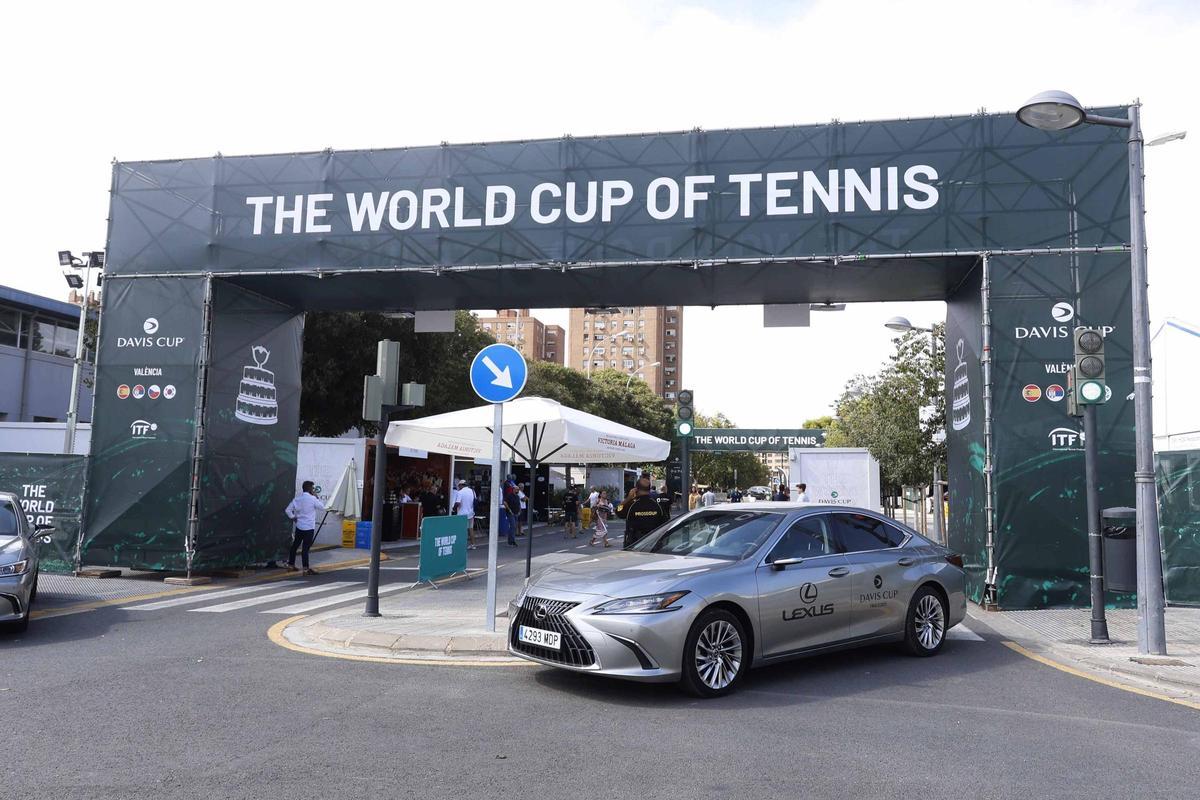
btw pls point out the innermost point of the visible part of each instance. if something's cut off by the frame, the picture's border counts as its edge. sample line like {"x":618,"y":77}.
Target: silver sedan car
{"x":721,"y":589}
{"x":19,"y":546}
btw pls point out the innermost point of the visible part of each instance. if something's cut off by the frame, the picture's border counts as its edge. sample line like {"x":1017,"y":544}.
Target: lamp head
{"x":1051,"y":111}
{"x":65,"y":258}
{"x":898,"y":324}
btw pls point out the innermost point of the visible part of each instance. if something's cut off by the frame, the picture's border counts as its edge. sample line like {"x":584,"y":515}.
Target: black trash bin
{"x":1118,"y":528}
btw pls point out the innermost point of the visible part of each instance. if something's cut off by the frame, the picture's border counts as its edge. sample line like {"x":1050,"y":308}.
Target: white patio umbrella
{"x":346,"y":498}
{"x":536,"y":431}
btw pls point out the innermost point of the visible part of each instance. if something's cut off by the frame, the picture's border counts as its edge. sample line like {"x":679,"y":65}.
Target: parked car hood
{"x":625,"y":573}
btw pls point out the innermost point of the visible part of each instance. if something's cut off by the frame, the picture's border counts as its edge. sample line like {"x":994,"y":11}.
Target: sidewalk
{"x":1061,"y":636}
{"x":437,"y":625}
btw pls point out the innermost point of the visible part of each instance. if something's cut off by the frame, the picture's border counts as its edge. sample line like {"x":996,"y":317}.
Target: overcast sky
{"x":89,"y":82}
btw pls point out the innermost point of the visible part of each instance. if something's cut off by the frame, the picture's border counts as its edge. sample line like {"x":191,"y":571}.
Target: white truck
{"x":842,"y":476}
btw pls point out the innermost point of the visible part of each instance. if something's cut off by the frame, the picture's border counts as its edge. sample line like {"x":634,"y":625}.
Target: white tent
{"x":536,"y":430}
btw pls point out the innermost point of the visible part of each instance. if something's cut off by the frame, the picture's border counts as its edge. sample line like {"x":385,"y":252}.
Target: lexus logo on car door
{"x":808,"y":592}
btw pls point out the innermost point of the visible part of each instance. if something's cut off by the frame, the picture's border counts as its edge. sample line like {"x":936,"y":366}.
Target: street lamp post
{"x":1057,"y":111}
{"x":902,"y":325}
{"x":90,"y":261}
{"x":641,"y":372}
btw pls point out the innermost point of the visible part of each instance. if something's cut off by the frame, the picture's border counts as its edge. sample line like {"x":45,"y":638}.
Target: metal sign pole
{"x":494,"y":514}
{"x":380,"y":486}
{"x":1095,"y":551}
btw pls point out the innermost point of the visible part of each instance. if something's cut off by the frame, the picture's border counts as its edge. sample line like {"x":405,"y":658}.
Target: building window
{"x":669,"y":346}
{"x":671,"y":308}
{"x":613,"y":364}
{"x":670,"y":384}
{"x":670,"y":370}
{"x":12,"y":323}
{"x":641,"y":351}
{"x":627,"y":323}
{"x":586,"y":352}
{"x":628,"y":363}
{"x":487,"y":326}
{"x":600,"y":325}
{"x":56,"y":340}
{"x":670,"y":359}
{"x":670,"y":331}
{"x":626,"y":351}
{"x":672,"y":320}
{"x":641,"y":362}
{"x":641,"y":323}
{"x":550,"y":356}
{"x":600,"y":351}
{"x":669,"y":395}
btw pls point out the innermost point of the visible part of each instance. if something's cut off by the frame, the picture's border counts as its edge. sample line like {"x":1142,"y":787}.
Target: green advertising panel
{"x":144,"y":423}
{"x":966,"y":524}
{"x":1041,"y":521}
{"x":252,"y":412}
{"x":443,"y":547}
{"x":1179,"y":508}
{"x":50,"y":488}
{"x":758,"y":440}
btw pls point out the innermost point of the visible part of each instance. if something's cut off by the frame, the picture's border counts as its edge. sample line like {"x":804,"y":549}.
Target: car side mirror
{"x":780,"y":564}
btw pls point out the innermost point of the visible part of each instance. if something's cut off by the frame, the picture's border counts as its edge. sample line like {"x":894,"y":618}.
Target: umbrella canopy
{"x":346,"y":499}
{"x":535,"y":429}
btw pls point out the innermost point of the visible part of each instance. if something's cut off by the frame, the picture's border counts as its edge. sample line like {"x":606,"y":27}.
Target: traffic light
{"x":684,"y":413}
{"x":1089,"y":366}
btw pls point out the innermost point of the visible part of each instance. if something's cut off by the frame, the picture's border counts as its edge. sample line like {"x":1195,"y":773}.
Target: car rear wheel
{"x":925,"y":623}
{"x":715,"y":654}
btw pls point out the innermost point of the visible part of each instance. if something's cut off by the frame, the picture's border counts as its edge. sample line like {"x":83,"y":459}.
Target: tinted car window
{"x":858,"y":532}
{"x":8,"y":519}
{"x":715,"y":534}
{"x":808,"y":537}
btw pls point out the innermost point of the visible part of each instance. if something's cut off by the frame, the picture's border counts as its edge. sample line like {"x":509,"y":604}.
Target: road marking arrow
{"x":503,"y":376}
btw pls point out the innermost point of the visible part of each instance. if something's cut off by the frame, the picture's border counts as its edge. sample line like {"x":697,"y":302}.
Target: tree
{"x":882,"y":412}
{"x":719,"y":468}
{"x":339,"y":349}
{"x":818,"y":423}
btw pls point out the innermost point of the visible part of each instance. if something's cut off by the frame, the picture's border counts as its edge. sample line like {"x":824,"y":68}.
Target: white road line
{"x":963,"y":634}
{"x":199,"y":597}
{"x":270,"y":598}
{"x":344,"y":597}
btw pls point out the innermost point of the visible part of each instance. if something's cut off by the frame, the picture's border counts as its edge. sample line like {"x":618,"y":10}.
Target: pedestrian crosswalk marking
{"x":322,"y":602}
{"x":270,"y":598}
{"x":197,"y":597}
{"x":963,"y":634}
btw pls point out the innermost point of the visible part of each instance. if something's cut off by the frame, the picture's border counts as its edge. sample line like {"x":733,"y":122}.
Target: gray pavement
{"x":193,"y":700}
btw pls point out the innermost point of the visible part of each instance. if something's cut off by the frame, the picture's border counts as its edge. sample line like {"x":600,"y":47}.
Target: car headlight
{"x":15,"y":568}
{"x":646,"y":604}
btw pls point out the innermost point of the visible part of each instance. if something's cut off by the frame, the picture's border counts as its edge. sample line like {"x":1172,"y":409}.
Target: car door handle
{"x":839,"y":572}
{"x":906,"y":561}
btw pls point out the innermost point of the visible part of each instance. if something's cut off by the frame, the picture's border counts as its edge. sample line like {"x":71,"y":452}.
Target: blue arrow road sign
{"x":498,"y":373}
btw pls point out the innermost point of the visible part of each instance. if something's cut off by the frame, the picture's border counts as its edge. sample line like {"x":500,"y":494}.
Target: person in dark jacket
{"x":641,"y":514}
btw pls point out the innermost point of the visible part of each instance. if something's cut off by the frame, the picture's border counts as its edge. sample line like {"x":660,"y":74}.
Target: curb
{"x":384,"y":648}
{"x":1157,"y":685}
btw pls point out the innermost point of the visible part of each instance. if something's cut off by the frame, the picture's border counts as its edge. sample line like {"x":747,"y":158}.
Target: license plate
{"x":547,"y":639}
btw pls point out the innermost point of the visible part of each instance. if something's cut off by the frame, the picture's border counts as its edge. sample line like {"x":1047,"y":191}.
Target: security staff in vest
{"x":641,"y":514}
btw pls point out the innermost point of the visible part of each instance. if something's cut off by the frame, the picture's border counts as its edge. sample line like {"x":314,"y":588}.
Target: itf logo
{"x":141,"y":429}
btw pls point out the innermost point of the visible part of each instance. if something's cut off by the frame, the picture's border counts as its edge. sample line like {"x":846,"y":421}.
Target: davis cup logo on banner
{"x":150,"y":327}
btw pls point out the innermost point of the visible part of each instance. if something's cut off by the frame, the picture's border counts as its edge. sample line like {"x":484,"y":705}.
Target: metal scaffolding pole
{"x":989,"y":508}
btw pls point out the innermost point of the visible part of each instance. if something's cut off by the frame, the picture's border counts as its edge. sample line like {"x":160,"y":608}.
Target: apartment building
{"x":644,"y":342}
{"x":536,"y":340}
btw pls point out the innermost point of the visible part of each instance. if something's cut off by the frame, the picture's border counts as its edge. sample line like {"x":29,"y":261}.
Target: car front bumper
{"x":14,"y":595}
{"x":639,"y":647}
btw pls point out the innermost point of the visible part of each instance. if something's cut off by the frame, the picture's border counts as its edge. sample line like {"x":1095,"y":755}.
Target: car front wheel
{"x":715,"y":655}
{"x":925,"y":623}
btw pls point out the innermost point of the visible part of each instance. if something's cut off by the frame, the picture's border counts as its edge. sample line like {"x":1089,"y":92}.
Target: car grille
{"x":575,"y":650}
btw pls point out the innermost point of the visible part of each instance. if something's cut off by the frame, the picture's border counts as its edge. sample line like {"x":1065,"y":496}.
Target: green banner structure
{"x":755,"y":440}
{"x":443,"y":547}
{"x":50,"y":488}
{"x":1179,"y":518}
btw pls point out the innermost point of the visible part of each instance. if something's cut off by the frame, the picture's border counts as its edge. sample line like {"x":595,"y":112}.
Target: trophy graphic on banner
{"x":960,"y":408}
{"x":256,"y":393}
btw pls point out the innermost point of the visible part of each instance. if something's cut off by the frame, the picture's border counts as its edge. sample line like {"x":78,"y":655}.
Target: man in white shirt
{"x":708,"y":498}
{"x":464,"y":506}
{"x":591,"y":503}
{"x":802,"y":493}
{"x":303,"y":512}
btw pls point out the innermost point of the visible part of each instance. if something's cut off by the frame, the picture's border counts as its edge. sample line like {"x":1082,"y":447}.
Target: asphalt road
{"x":179,"y":702}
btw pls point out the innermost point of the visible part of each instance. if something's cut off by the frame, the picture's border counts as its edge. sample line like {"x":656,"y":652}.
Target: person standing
{"x":571,"y":512}
{"x":642,"y":514}
{"x":302,"y":511}
{"x":591,"y":504}
{"x":464,"y":506}
{"x":708,"y":498}
{"x":512,"y":503}
{"x":601,"y":510}
{"x":802,"y":493}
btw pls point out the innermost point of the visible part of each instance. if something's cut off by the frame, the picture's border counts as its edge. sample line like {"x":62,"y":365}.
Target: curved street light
{"x":1057,"y":111}
{"x":641,"y":372}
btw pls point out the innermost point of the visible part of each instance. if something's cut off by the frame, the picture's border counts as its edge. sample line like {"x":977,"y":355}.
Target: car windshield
{"x":8,"y":520}
{"x":724,"y":534}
